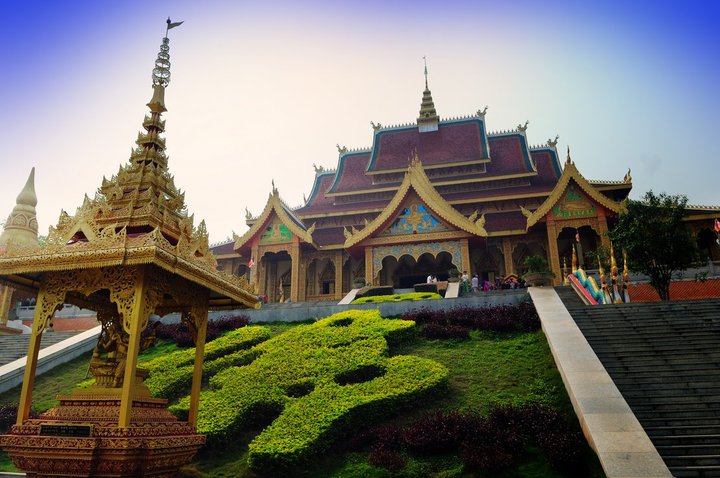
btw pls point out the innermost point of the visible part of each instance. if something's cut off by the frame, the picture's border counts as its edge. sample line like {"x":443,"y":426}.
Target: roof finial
{"x":428,"y":119}
{"x":425,"y":62}
{"x":568,"y":160}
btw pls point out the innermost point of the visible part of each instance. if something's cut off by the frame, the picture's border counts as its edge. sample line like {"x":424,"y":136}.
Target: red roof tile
{"x":453,"y":141}
{"x":351,"y":174}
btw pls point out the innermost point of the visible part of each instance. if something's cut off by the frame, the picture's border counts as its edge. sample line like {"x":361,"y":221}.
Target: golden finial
{"x":481,"y":113}
{"x":425,"y":62}
{"x":568,"y":160}
{"x":376,"y":126}
{"x":341,"y":149}
{"x":553,"y":142}
{"x":523,"y":127}
{"x":574,"y":260}
{"x":613,"y":263}
{"x":628,"y":177}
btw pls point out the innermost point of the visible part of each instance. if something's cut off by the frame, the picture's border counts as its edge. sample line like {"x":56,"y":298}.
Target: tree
{"x":655,"y":238}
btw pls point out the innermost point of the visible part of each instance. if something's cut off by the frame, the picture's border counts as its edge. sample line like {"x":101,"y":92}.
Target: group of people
{"x":475,"y":284}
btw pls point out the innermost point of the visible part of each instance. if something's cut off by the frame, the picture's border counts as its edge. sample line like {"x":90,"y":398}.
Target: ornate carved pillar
{"x":554,"y":259}
{"x":369,"y":271}
{"x":6,"y":294}
{"x":295,"y":271}
{"x":465,"y":253}
{"x":255,"y":270}
{"x":507,"y":256}
{"x":200,"y":319}
{"x":602,"y":229}
{"x":338,"y":262}
{"x":262,"y":274}
{"x":140,"y":308}
{"x":50,"y":298}
{"x":302,"y":279}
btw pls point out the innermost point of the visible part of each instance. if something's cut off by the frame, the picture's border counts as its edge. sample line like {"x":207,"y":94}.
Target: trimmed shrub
{"x":181,"y":334}
{"x":388,"y":459}
{"x":294,"y":376}
{"x":397,"y":297}
{"x":504,"y":318}
{"x":171,"y":375}
{"x":486,"y":444}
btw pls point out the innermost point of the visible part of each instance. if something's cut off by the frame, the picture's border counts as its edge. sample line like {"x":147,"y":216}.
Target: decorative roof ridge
{"x":399,"y":126}
{"x":703,"y":207}
{"x":571,"y":172}
{"x":418,"y":180}
{"x":224,"y":242}
{"x":606,"y":181}
{"x":356,"y":150}
{"x":286,"y":216}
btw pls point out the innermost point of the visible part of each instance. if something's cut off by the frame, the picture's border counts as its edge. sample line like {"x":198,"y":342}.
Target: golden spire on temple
{"x":21,"y":227}
{"x":428,"y":119}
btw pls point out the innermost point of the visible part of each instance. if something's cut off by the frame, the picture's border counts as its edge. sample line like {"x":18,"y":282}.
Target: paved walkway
{"x":611,"y":428}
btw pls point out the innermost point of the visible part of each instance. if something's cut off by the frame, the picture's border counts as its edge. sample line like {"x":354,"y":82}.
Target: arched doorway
{"x":487,"y":263}
{"x":586,"y":248}
{"x":406,"y":272}
{"x":523,"y":250}
{"x":320,"y":278}
{"x":278,"y":275}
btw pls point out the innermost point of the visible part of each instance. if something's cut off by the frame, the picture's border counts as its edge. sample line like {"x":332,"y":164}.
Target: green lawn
{"x":486,"y":370}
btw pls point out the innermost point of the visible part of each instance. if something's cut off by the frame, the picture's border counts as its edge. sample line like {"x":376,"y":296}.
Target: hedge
{"x":316,"y":381}
{"x":171,"y":375}
{"x":398,"y":297}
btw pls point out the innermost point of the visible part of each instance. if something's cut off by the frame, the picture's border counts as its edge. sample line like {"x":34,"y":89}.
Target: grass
{"x":397,"y":297}
{"x":486,"y":370}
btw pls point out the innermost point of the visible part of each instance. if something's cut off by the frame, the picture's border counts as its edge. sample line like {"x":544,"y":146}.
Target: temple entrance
{"x":586,"y":248}
{"x":320,"y":278}
{"x":407,"y":272}
{"x":278,"y":275}
{"x":709,"y":249}
{"x":523,"y":250}
{"x":487,"y":263}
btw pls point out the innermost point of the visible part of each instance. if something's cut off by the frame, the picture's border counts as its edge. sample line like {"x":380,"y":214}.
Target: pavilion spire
{"x":21,"y":226}
{"x":428,"y":119}
{"x":143,"y":195}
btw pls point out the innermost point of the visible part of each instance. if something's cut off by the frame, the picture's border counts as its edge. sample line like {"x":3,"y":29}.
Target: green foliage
{"x":656,"y":240}
{"x":294,"y":379}
{"x":398,"y":297}
{"x":171,"y":374}
{"x":536,"y":264}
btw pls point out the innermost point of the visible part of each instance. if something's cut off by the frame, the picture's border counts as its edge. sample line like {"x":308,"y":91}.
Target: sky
{"x":261,"y":91}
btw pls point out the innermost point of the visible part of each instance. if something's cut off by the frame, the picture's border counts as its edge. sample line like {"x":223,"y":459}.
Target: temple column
{"x":369,"y":272}
{"x":602,"y":229}
{"x":255,"y":270}
{"x":137,"y":310}
{"x":6,"y":294}
{"x":554,"y":259}
{"x":465,"y":254}
{"x":45,"y":307}
{"x":295,"y":272}
{"x":507,"y":256}
{"x":262,"y":275}
{"x":337,"y":262}
{"x":200,"y":317}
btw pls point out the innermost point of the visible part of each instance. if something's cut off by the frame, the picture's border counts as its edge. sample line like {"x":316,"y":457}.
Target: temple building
{"x":425,"y":198}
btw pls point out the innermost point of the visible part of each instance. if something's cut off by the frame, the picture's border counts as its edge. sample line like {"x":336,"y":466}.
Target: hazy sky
{"x":262,"y":90}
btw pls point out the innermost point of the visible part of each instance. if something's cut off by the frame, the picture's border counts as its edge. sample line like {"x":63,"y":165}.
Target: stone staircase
{"x":13,"y":347}
{"x":665,"y":360}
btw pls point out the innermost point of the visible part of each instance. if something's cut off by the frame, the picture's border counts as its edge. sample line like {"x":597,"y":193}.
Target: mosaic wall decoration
{"x":574,"y":205}
{"x":414,"y":219}
{"x":276,"y":234}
